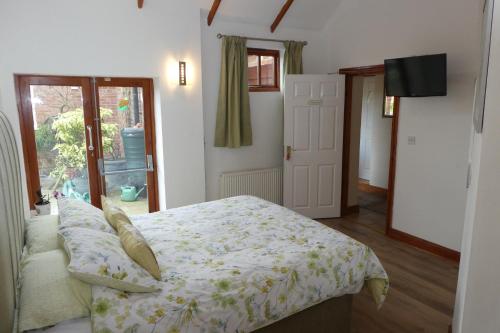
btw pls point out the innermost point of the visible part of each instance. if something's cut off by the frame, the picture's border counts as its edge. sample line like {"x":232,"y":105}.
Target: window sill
{"x":264,"y":89}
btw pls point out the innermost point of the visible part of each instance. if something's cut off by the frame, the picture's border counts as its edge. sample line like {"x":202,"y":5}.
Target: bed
{"x":235,"y":265}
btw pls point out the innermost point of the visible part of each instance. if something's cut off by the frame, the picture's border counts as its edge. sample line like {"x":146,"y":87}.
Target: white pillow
{"x":49,"y":294}
{"x":98,"y":258}
{"x":78,"y":213}
{"x":41,"y":234}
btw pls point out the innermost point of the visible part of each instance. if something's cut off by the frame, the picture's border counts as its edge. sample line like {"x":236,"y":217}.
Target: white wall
{"x":478,"y":296}
{"x":266,"y":107}
{"x":430,"y":180}
{"x":378,"y":131}
{"x":114,"y":38}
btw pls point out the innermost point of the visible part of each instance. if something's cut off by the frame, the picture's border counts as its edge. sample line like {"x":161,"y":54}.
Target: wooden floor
{"x":422,"y":285}
{"x":371,"y":199}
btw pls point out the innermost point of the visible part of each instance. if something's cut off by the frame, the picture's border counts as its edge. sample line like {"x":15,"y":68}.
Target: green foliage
{"x":69,"y":130}
{"x":45,"y":138}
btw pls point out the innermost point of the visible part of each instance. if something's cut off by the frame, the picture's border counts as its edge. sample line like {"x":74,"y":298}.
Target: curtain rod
{"x":259,"y":39}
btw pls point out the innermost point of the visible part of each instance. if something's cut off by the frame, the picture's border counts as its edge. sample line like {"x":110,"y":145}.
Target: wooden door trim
{"x":346,"y":153}
{"x":22,"y":83}
{"x":149,"y":131}
{"x":392,"y":165}
{"x":91,"y":113}
{"x":365,"y":71}
{"x":350,"y":73}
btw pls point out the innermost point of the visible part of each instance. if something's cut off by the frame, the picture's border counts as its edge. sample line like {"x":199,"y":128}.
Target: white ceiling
{"x":304,"y":14}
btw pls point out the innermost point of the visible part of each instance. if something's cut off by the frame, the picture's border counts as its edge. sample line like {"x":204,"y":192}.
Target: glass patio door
{"x":126,"y":134}
{"x":56,"y":124}
{"x":83,"y":137}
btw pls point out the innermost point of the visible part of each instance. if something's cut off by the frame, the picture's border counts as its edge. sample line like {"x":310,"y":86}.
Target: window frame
{"x":267,"y":53}
{"x":395,"y":107}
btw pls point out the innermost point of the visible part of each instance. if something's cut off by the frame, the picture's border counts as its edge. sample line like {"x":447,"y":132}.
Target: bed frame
{"x":332,"y":316}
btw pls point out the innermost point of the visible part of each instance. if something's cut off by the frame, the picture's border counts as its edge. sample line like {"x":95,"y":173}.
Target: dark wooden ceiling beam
{"x":140,"y":3}
{"x":281,"y":14}
{"x":213,"y":11}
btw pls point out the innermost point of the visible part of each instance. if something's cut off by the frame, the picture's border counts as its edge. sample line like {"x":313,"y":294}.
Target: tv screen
{"x":416,"y":76}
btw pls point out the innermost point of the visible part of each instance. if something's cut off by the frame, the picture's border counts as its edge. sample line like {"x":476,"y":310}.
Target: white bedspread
{"x":236,"y":265}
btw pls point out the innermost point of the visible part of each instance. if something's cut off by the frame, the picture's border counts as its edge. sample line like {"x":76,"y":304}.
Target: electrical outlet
{"x":412,"y":140}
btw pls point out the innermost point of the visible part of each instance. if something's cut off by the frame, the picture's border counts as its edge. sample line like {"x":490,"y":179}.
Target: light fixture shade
{"x":182,"y":73}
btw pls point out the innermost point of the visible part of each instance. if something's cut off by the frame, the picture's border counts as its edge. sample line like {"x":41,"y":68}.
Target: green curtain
{"x":233,"y":128}
{"x":293,"y":57}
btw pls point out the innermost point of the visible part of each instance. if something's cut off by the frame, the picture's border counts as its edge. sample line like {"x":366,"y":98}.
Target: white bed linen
{"x":237,"y":264}
{"x":80,"y":325}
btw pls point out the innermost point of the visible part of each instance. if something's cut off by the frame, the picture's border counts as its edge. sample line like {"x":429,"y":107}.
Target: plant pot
{"x":43,"y":209}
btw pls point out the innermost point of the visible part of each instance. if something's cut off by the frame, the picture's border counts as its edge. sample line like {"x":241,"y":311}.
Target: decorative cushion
{"x":113,"y":214}
{"x":98,"y":258}
{"x":49,"y":294}
{"x":138,"y":249}
{"x":41,"y":234}
{"x":78,"y":213}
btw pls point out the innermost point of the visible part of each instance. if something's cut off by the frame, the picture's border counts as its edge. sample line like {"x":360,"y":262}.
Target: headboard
{"x":11,"y":224}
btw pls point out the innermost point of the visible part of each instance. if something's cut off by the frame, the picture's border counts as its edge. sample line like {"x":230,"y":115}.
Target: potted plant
{"x":42,"y":204}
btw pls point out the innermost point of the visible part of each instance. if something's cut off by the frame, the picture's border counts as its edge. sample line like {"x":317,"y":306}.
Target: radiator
{"x":265,"y":183}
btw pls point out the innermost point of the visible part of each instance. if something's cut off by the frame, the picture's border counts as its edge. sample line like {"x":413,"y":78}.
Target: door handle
{"x":288,"y":153}
{"x":150,"y":165}
{"x":91,"y":140}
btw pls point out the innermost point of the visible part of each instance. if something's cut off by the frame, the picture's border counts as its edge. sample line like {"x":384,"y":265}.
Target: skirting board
{"x":424,"y":244}
{"x":365,"y":187}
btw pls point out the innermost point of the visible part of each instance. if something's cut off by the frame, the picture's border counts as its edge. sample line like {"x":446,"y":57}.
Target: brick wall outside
{"x":267,"y":75}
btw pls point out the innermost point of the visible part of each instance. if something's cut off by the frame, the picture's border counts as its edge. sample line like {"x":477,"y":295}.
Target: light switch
{"x":412,"y":140}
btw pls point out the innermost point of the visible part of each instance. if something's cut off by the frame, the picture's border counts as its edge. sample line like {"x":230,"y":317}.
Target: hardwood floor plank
{"x":422,"y":285}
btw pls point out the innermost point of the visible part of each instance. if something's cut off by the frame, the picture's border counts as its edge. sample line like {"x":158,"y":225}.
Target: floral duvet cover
{"x":236,"y":265}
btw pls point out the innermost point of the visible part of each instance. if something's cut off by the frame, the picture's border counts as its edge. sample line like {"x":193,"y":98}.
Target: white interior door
{"x":313,"y":128}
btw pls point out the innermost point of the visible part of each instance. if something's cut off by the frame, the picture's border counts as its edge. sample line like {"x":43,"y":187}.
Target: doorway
{"x":370,"y":141}
{"x":84,"y":137}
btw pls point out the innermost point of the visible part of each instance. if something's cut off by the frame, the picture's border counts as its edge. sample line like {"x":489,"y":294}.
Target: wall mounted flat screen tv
{"x":416,"y":76}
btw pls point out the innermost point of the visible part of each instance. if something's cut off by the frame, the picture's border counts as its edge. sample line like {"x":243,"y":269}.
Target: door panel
{"x":326,"y":185}
{"x":126,"y":160}
{"x":313,"y":127}
{"x":302,"y":129}
{"x":327,"y":122}
{"x":56,"y":121}
{"x":302,"y":89}
{"x":300,"y":186}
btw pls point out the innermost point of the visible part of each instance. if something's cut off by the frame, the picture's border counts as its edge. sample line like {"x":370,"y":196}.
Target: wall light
{"x":182,"y":73}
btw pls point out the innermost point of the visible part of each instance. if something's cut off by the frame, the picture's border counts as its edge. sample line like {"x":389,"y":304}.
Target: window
{"x":390,"y":105}
{"x":67,"y":154}
{"x":263,"y":70}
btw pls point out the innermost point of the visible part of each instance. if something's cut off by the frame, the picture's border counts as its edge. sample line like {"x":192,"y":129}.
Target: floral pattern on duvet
{"x":236,"y":265}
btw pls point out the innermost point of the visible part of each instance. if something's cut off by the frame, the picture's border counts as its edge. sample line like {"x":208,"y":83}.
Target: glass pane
{"x":60,"y":142}
{"x":267,"y":71}
{"x":122,"y":128}
{"x":389,"y":106}
{"x":253,"y":70}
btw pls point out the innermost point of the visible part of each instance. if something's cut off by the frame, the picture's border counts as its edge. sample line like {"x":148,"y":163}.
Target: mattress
{"x":237,"y":264}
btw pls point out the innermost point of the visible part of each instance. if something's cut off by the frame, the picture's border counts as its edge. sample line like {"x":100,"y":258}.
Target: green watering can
{"x":130,"y":194}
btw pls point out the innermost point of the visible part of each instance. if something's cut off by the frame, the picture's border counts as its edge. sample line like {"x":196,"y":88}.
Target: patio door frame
{"x":149,"y":129}
{"x":90,"y":100}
